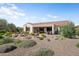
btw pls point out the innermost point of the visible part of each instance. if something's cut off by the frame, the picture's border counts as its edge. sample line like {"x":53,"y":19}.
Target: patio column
{"x":31,"y":29}
{"x":24,"y":28}
{"x":38,"y":30}
{"x":53,"y":29}
{"x":45,"y":30}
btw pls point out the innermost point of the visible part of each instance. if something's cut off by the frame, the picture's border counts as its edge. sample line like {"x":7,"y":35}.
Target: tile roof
{"x":46,"y":24}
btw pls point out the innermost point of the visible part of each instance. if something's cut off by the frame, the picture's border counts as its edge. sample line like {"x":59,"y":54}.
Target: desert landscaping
{"x":65,"y":47}
{"x":16,"y":42}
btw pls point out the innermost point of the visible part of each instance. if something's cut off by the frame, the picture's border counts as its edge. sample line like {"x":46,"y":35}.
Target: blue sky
{"x":21,"y":13}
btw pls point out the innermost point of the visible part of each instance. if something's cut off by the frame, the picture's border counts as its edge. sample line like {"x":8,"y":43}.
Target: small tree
{"x":68,"y":30}
{"x":11,"y":28}
{"x":3,"y":24}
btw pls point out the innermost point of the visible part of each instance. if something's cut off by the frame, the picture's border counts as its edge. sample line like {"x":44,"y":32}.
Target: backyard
{"x":15,"y":42}
{"x":65,"y":47}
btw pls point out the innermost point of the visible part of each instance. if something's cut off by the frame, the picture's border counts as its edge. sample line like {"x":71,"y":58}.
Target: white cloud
{"x":26,"y":18}
{"x":17,"y":15}
{"x":51,"y":16}
{"x":36,"y":17}
{"x":33,"y":17}
{"x":13,"y":6}
{"x":42,"y":18}
{"x":55,"y":16}
{"x":12,"y":11}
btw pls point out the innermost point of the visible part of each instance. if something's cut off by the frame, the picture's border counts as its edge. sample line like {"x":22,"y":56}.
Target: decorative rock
{"x":7,"y":48}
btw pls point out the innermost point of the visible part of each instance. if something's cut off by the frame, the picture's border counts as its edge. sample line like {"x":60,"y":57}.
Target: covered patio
{"x":46,"y":27}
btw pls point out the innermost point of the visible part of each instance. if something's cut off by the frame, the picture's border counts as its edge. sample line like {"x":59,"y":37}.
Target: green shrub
{"x":1,"y":36}
{"x":2,"y":32}
{"x":44,"y":52}
{"x":26,"y":33}
{"x":43,"y":34}
{"x":77,"y":31}
{"x":1,"y":41}
{"x":8,"y":34}
{"x":8,"y":40}
{"x":61,"y":37}
{"x":27,"y":44}
{"x":41,"y":38}
{"x":17,"y":41}
{"x":32,"y":33}
{"x":68,"y":30}
{"x":6,"y":48}
{"x":77,"y":45}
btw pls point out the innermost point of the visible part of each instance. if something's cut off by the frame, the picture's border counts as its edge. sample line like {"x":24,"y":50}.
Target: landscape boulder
{"x":7,"y":48}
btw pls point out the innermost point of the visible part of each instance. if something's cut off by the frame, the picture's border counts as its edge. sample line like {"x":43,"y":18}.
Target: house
{"x":45,"y":27}
{"x":77,"y":26}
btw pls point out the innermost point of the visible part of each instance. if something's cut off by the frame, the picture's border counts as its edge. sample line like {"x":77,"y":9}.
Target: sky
{"x":22,"y":13}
